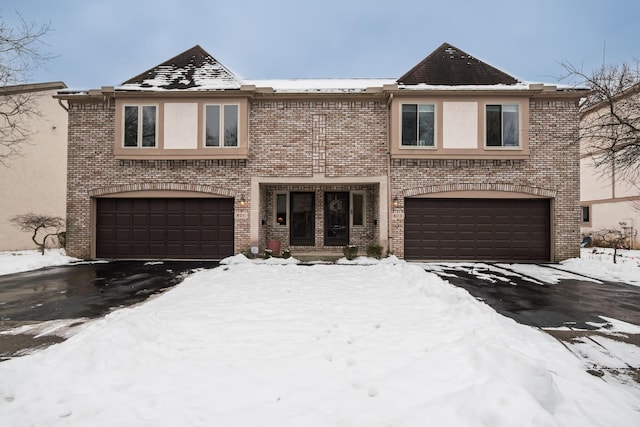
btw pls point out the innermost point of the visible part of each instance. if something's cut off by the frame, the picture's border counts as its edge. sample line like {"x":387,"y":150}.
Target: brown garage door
{"x":164,"y":228}
{"x":477,"y":229}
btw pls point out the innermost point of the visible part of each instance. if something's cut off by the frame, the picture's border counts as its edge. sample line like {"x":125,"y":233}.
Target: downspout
{"x":390,"y":248}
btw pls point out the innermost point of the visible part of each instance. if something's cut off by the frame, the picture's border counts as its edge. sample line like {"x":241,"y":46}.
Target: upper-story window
{"x":140,"y":126}
{"x":502,"y":125}
{"x":221,"y":128}
{"x":466,"y":125}
{"x":418,"y":124}
{"x":175,"y":127}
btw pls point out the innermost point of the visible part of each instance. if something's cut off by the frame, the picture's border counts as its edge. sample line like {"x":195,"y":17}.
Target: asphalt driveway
{"x":575,"y":301}
{"x":576,"y":309}
{"x":79,"y":291}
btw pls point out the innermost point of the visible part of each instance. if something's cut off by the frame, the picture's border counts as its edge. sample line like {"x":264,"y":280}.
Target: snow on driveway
{"x":257,"y":344}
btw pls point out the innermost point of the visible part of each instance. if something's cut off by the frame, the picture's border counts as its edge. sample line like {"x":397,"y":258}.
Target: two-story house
{"x":455,"y":160}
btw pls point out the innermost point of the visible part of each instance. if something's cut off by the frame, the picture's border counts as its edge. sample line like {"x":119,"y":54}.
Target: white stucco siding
{"x":460,"y":124}
{"x":180,"y":125}
{"x":594,"y":184}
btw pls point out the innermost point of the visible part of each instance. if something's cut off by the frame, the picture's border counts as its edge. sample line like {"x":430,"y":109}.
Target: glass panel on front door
{"x":336,"y":219}
{"x":303,"y":230}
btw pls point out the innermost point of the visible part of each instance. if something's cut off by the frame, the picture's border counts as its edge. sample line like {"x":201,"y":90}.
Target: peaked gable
{"x":450,"y":66}
{"x":192,"y":69}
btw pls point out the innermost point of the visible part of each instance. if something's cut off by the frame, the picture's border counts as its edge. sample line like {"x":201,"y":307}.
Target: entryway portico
{"x":319,"y":214}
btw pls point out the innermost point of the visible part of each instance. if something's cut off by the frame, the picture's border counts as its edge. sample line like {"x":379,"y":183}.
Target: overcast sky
{"x":105,"y":42}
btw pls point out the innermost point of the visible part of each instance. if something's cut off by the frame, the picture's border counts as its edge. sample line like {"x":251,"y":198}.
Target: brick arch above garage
{"x":161,"y":187}
{"x":479,"y":190}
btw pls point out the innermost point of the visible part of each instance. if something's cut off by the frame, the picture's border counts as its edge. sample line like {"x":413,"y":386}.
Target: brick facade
{"x":551,"y":171}
{"x":287,"y":139}
{"x":330,"y":144}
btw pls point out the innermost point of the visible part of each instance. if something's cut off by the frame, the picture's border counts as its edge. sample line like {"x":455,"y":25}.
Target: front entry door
{"x":303,"y":218}
{"x":336,"y":218}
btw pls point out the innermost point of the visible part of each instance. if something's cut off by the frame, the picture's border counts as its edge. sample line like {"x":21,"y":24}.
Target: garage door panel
{"x":192,"y":235}
{"x":157,"y":235}
{"x":175,"y":236}
{"x":192,"y":220}
{"x":191,"y":249}
{"x":107,"y":219}
{"x":123,"y":234}
{"x":175,"y":219}
{"x":225,"y":235}
{"x":209,"y":220}
{"x":164,"y":228}
{"x":139,"y":219}
{"x":122,"y":205}
{"x":153,"y":205}
{"x":133,"y":204}
{"x":123,"y":219}
{"x":140,"y":234}
{"x":122,"y":247}
{"x":158,"y":219}
{"x":477,"y":229}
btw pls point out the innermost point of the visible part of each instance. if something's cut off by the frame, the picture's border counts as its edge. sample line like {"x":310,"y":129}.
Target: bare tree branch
{"x":612,"y":238}
{"x":610,"y":117}
{"x":20,"y":53}
{"x":38,"y":224}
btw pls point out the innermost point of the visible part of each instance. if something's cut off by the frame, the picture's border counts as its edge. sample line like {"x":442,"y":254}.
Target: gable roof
{"x":192,"y":69}
{"x":450,"y":66}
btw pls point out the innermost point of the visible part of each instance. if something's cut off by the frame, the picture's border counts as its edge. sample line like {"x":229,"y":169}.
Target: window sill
{"x":159,"y":154}
{"x":418,"y":147}
{"x":487,"y":154}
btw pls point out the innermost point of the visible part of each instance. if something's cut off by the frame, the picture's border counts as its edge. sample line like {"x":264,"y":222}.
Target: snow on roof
{"x":193,"y":69}
{"x":446,"y":69}
{"x":320,"y":85}
{"x":422,"y":87}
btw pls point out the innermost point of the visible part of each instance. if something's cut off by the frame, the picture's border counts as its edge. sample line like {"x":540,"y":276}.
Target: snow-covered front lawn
{"x":598,"y":263}
{"x":19,"y":261}
{"x":262,"y":344}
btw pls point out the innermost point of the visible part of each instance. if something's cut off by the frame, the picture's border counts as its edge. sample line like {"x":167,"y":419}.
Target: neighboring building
{"x":36,"y":180}
{"x":454,"y":160}
{"x":609,"y":199}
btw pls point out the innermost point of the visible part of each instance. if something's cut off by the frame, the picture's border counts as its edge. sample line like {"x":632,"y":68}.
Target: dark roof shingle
{"x":192,"y":69}
{"x":450,"y":66}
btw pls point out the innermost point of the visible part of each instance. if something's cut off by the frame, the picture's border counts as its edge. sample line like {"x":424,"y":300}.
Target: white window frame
{"x":435,"y":128}
{"x":140,"y":135}
{"x":275,"y":209}
{"x":221,"y":138}
{"x":519,"y":133}
{"x":364,"y":208}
